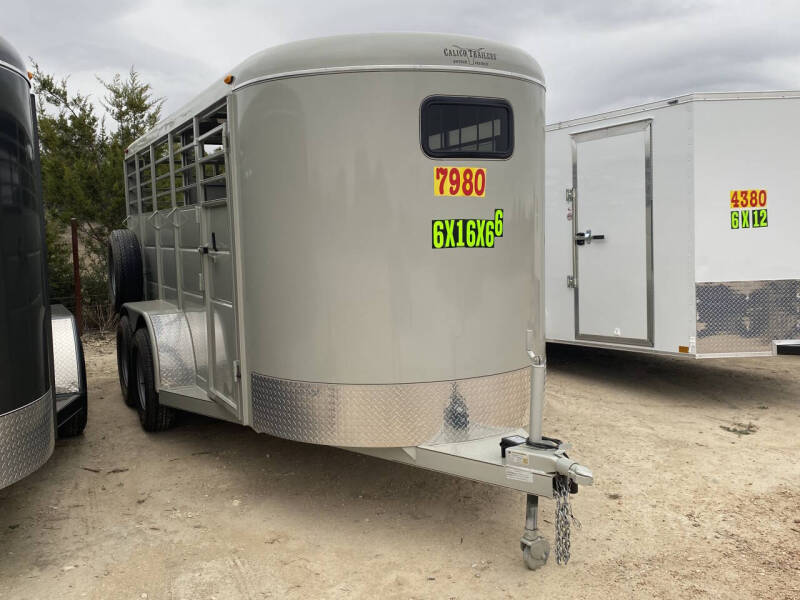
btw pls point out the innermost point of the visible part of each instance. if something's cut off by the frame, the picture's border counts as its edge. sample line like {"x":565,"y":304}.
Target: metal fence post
{"x":76,"y":276}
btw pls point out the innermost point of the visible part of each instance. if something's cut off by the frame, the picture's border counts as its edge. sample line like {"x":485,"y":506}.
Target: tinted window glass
{"x":459,"y":127}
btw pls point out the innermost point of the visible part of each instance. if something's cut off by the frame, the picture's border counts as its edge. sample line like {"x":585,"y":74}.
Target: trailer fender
{"x":174,"y":346}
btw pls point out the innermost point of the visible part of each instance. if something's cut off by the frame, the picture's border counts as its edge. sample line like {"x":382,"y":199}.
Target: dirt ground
{"x":697,"y":495}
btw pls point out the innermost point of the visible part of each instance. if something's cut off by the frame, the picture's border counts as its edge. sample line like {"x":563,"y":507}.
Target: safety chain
{"x":563,"y":517}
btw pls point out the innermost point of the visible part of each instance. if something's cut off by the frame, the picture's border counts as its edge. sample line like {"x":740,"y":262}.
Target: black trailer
{"x":31,"y":381}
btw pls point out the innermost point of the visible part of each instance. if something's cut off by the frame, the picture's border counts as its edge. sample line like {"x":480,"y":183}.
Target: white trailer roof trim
{"x":693,"y":97}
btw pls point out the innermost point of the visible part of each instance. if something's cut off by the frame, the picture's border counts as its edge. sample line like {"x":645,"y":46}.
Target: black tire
{"x":125,"y":276}
{"x":152,"y":415}
{"x":124,"y":342}
{"x":77,"y":423}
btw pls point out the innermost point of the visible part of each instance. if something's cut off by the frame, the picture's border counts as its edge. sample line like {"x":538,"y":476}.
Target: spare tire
{"x":125,"y":278}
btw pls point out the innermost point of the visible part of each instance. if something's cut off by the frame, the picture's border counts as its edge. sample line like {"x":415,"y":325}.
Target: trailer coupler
{"x":523,"y":460}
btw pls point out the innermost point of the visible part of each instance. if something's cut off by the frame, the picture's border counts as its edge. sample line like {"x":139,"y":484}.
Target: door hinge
{"x":237,"y":370}
{"x":570,"y":197}
{"x":571,"y":281}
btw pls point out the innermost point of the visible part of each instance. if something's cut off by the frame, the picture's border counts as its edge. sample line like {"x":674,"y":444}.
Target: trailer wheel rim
{"x":140,"y":384}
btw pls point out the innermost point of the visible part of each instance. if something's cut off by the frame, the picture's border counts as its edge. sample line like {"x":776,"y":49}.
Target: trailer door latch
{"x":571,"y":281}
{"x":582,"y":238}
{"x":237,"y":370}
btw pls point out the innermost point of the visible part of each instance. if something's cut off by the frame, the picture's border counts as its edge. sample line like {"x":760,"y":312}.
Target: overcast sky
{"x":596,"y":55}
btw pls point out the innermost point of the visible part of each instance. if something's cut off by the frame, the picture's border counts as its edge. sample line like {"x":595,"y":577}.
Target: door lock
{"x":203,"y":249}
{"x":582,"y":238}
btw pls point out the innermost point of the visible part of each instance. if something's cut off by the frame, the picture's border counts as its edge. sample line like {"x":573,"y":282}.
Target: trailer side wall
{"x":747,"y":272}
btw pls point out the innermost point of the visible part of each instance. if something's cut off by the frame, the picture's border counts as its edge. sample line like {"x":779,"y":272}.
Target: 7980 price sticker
{"x":459,"y":181}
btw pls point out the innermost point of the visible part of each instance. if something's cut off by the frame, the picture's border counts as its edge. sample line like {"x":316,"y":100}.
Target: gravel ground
{"x":697,"y":495}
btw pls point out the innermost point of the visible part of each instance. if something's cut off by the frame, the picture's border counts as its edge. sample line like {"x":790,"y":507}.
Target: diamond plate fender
{"x":65,"y":351}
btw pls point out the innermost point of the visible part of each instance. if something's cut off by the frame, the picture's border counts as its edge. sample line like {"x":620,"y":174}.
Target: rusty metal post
{"x":76,"y":276}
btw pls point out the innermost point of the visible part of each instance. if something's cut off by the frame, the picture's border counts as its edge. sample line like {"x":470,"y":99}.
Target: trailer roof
{"x":684,"y":99}
{"x":359,"y":53}
{"x":10,"y":59}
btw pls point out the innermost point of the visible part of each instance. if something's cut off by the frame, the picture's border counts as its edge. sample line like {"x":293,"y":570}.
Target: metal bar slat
{"x":180,"y":170}
{"x":213,"y":178}
{"x":198,"y":174}
{"x":184,"y":188}
{"x":210,"y":157}
{"x":205,"y":235}
{"x":210,"y":132}
{"x":127,"y":191}
{"x":215,"y":202}
{"x":140,"y":221}
{"x":176,"y":230}
{"x":154,"y":191}
{"x":183,"y":148}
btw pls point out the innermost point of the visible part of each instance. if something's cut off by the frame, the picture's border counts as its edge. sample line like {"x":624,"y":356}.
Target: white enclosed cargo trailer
{"x":671,"y":226}
{"x":341,"y":242}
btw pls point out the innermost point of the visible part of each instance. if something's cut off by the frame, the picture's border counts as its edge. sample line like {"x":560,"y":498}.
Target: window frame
{"x":466,"y":100}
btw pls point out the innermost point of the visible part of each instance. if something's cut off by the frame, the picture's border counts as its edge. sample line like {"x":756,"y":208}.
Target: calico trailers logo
{"x":469,"y":56}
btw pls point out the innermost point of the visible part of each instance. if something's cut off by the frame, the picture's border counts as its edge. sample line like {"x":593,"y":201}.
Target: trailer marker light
{"x":683,"y":349}
{"x":30,"y":75}
{"x":228,"y":79}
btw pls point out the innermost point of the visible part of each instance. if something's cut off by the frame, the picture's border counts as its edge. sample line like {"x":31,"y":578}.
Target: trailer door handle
{"x":582,"y":238}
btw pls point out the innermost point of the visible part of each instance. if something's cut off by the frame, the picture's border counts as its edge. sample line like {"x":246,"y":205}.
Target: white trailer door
{"x":612,"y":231}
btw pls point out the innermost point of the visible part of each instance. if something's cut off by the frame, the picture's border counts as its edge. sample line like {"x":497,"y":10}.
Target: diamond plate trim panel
{"x":27,"y":438}
{"x":175,"y":352}
{"x":197,"y":328}
{"x":390,"y":415}
{"x":65,"y":353}
{"x":746,"y":316}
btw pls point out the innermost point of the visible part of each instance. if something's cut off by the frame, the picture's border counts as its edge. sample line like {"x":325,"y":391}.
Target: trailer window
{"x":461,"y":127}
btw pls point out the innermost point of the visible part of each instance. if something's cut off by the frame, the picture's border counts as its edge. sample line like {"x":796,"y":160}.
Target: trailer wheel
{"x":125,"y":277}
{"x":77,"y":423}
{"x":152,"y":415}
{"x":124,"y":340}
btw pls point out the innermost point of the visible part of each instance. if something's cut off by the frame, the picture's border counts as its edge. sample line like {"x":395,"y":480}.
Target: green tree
{"x":82,"y":174}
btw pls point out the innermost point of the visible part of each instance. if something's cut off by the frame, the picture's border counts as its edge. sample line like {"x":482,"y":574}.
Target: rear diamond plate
{"x":746,"y":316}
{"x":26,"y":439}
{"x":390,"y":415}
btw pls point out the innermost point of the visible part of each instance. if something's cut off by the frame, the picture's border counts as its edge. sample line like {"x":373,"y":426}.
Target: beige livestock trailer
{"x":341,"y":242}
